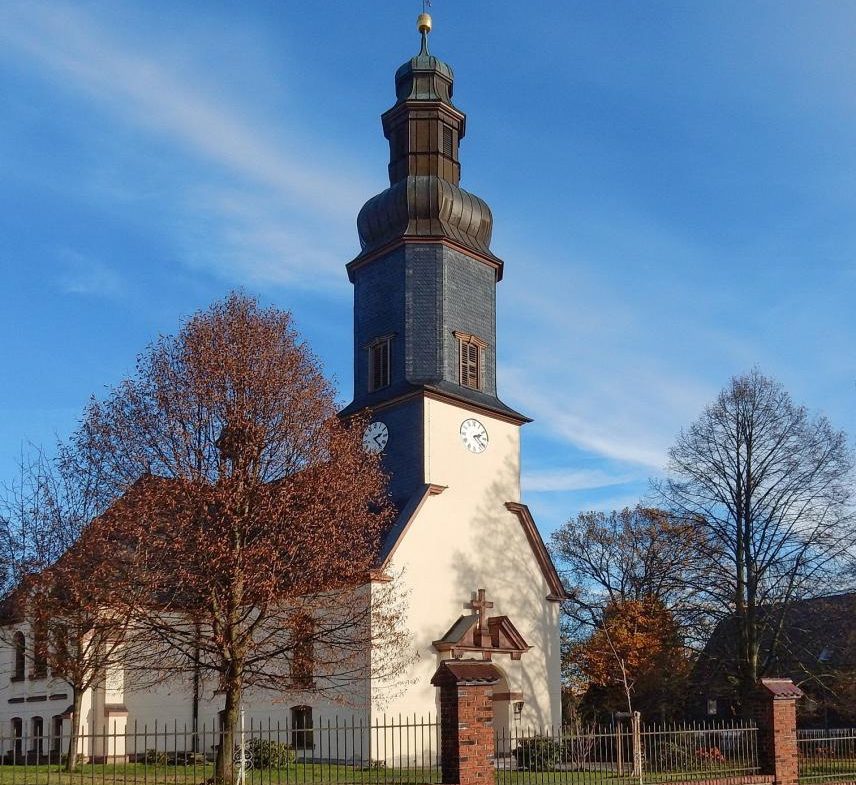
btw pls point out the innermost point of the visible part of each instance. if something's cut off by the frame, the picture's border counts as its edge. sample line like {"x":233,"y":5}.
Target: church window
{"x":470,"y":353}
{"x":56,"y":737}
{"x":18,"y":734}
{"x":447,"y":141}
{"x":302,"y":659}
{"x":37,"y":737}
{"x":40,"y":653}
{"x":19,"y":644}
{"x":301,"y":728}
{"x":379,"y":364}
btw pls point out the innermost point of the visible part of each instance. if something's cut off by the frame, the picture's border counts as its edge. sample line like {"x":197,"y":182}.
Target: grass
{"x":832,"y":770}
{"x":324,"y":774}
{"x":140,"y":774}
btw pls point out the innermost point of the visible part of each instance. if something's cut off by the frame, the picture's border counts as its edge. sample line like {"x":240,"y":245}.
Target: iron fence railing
{"x":627,"y":753}
{"x":827,"y":755}
{"x":403,"y":751}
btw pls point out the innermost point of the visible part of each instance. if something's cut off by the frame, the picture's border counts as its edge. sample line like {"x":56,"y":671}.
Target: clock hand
{"x":377,"y":440}
{"x":478,"y":438}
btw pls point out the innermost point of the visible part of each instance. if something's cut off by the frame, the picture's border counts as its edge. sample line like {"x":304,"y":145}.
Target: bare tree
{"x":628,"y":555}
{"x":769,"y":488}
{"x":251,"y":514}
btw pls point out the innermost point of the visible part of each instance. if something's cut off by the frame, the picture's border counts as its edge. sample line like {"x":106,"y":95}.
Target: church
{"x":479,"y":581}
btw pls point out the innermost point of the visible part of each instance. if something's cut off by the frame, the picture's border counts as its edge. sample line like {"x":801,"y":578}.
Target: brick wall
{"x":466,"y":721}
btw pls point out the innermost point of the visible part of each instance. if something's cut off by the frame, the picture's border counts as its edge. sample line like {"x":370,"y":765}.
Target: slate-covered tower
{"x":425,"y":279}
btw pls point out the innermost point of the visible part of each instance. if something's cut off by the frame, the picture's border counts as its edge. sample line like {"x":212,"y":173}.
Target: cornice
{"x":548,"y":569}
{"x":362,"y":260}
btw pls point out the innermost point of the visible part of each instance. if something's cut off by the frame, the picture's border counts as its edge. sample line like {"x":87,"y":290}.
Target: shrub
{"x":185,"y":759}
{"x":538,"y":753}
{"x":154,"y":757}
{"x":269,"y":754}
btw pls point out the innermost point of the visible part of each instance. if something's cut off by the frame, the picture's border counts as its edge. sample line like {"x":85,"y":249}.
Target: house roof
{"x":817,"y":634}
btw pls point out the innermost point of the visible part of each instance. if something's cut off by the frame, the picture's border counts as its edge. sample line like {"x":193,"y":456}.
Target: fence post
{"x":776,"y":714}
{"x":466,"y":721}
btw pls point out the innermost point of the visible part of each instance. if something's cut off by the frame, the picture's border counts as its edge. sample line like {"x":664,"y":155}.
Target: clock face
{"x":474,"y":435}
{"x":375,"y":437}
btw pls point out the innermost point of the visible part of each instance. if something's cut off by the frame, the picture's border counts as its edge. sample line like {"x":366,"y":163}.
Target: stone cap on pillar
{"x":781,"y":689}
{"x":465,"y":673}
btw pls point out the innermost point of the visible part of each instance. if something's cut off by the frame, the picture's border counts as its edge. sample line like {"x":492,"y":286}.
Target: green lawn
{"x":321,"y":773}
{"x":139,"y":774}
{"x":833,"y":770}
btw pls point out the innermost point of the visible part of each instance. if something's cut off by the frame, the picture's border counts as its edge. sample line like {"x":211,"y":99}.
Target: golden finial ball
{"x":423,"y":23}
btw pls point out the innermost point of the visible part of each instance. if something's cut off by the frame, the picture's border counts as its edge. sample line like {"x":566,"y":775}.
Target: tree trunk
{"x":224,"y":767}
{"x":74,"y":732}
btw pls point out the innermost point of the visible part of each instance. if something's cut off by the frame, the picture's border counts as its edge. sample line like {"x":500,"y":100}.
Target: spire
{"x":424,"y":129}
{"x":423,"y":25}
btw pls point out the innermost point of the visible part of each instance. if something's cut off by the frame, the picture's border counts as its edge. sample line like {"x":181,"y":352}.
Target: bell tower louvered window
{"x":470,"y":353}
{"x":379,"y":363}
{"x":447,"y":141}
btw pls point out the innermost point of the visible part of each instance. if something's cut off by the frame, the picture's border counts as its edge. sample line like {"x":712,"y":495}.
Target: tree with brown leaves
{"x":251,"y":514}
{"x":61,"y":585}
{"x":637,"y":645}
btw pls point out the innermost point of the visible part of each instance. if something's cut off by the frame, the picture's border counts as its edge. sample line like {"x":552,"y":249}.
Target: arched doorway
{"x":502,"y":716}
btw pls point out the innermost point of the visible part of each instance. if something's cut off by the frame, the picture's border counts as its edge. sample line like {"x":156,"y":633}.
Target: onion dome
{"x":424,"y":200}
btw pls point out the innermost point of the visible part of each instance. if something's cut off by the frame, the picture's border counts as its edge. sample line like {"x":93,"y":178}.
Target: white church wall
{"x":464,"y":539}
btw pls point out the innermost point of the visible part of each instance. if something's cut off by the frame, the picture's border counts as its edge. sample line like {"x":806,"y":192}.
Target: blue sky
{"x":672,"y":185}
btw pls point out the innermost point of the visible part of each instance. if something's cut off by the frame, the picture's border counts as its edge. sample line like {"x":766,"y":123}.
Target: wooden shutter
{"x":470,"y":353}
{"x":379,"y":365}
{"x":447,"y":141}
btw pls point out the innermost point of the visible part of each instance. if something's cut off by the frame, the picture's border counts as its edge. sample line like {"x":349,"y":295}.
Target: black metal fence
{"x":404,"y":750}
{"x":627,"y":753}
{"x":827,"y":755}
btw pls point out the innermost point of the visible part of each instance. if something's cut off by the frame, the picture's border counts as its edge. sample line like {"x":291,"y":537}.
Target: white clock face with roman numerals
{"x":375,"y":437}
{"x":474,"y":435}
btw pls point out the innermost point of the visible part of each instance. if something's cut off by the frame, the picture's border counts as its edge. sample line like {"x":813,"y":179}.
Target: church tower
{"x":424,"y":283}
{"x":464,"y":550}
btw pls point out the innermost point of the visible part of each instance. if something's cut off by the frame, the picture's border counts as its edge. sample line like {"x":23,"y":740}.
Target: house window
{"x":302,"y":658}
{"x":40,"y":654}
{"x":470,"y":353}
{"x":711,"y":707}
{"x":379,"y":364}
{"x":301,"y":728}
{"x":19,"y":644}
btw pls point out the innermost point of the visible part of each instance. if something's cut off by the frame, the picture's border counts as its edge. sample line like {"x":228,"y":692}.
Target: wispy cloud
{"x":80,"y":54}
{"x":86,"y":276}
{"x":550,"y":480}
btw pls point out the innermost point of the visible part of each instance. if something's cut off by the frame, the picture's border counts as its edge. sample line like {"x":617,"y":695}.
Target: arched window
{"x":301,"y":728}
{"x":37,"y":736}
{"x":40,"y":653}
{"x":56,"y":735}
{"x":18,"y":735}
{"x":302,"y":651}
{"x":19,"y":663}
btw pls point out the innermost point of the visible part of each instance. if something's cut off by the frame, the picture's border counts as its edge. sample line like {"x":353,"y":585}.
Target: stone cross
{"x":480,"y":605}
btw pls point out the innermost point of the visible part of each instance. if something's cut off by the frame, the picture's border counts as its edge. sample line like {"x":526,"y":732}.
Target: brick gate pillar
{"x":776,"y":714}
{"x":466,"y":721}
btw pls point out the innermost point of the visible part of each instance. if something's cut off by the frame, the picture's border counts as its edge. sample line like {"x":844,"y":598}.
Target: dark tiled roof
{"x":781,"y":688}
{"x":464,"y":672}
